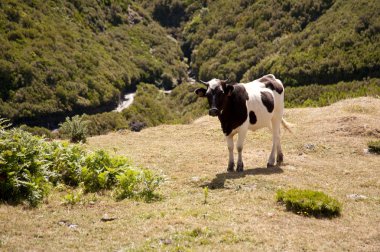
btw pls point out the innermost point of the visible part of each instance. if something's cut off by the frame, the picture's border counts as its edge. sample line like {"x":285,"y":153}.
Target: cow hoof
{"x":280,"y":158}
{"x":270,"y":165}
{"x":240,"y":167}
{"x":230,"y":167}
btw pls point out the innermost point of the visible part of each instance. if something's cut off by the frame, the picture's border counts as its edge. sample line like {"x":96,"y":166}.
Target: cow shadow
{"x":220,"y":179}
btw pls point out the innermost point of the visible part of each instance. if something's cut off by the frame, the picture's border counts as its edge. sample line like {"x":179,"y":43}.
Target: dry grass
{"x":324,"y":153}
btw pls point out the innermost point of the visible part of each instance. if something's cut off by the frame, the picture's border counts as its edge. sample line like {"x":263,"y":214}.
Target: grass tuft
{"x":374,"y":146}
{"x":308,"y":202}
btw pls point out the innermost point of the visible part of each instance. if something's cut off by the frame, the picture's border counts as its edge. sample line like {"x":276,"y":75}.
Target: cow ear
{"x":201,"y":92}
{"x":228,"y":90}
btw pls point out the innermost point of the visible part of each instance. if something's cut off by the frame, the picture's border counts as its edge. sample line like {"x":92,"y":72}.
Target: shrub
{"x":308,"y":202}
{"x":30,"y":166}
{"x":38,"y":131}
{"x":72,"y":198}
{"x":105,"y":122}
{"x":21,"y":176}
{"x":75,"y":129}
{"x":100,"y":171}
{"x":137,"y":184}
{"x":65,"y":163}
{"x":374,"y":146}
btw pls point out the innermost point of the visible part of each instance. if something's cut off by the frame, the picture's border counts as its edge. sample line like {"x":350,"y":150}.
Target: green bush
{"x":323,"y":95}
{"x":30,"y":166}
{"x":38,"y":131}
{"x":103,"y":123}
{"x":308,"y":202}
{"x":100,"y":171}
{"x":22,"y":177}
{"x":374,"y":146}
{"x":76,"y":129}
{"x":65,"y":162}
{"x":137,"y":184}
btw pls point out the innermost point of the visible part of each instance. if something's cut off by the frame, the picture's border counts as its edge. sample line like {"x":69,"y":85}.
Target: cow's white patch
{"x":214,"y":83}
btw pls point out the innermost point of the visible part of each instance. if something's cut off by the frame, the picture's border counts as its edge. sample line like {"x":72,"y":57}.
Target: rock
{"x":310,"y":146}
{"x":166,"y":241}
{"x":68,"y":224}
{"x":137,"y":126}
{"x":195,"y":179}
{"x":356,"y":196}
{"x":106,"y":218}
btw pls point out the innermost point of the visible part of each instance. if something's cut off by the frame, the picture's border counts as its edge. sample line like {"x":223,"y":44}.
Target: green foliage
{"x":138,"y":184}
{"x":374,"y":146}
{"x":65,"y":162}
{"x":63,"y":56}
{"x":38,"y":131}
{"x":76,"y":129}
{"x":301,"y":42}
{"x":100,"y":171}
{"x":72,"y":198}
{"x":323,"y":95}
{"x":21,"y":174}
{"x":153,"y":107}
{"x":103,"y":123}
{"x":308,"y":202}
{"x":29,"y":166}
{"x":205,"y":193}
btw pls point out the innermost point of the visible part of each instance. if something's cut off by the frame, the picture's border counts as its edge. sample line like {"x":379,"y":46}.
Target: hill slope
{"x":62,"y":57}
{"x":302,"y":42}
{"x":324,"y":153}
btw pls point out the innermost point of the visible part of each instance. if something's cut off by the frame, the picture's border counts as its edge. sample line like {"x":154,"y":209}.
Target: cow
{"x":247,"y":106}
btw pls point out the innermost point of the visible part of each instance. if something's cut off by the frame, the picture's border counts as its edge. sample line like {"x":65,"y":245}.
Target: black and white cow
{"x":247,"y":106}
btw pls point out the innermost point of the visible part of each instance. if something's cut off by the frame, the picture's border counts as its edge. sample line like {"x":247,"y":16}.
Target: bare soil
{"x":326,"y":152}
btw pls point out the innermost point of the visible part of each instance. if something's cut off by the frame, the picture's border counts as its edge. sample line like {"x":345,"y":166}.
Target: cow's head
{"x":216,"y":93}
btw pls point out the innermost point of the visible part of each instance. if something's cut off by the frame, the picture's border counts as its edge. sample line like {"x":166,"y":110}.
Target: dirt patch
{"x":355,"y":126}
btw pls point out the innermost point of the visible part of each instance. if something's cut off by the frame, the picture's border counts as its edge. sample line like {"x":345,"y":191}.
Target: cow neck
{"x":234,"y":112}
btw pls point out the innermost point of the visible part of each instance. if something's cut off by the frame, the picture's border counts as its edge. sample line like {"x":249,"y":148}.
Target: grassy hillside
{"x":302,"y":42}
{"x":58,"y":57}
{"x":325,"y":153}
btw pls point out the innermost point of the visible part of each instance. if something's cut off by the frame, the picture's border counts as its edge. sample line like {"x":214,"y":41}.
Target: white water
{"x":127,"y":101}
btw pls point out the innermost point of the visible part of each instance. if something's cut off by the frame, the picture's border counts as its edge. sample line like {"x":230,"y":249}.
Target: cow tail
{"x":286,"y":125}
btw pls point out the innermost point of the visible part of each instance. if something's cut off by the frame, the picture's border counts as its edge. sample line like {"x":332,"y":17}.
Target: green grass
{"x":308,"y":202}
{"x":374,"y":146}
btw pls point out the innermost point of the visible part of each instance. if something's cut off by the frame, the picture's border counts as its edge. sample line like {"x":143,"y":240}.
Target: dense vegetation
{"x":61,"y":58}
{"x":374,"y":146}
{"x":302,"y":42}
{"x":31,"y":166}
{"x":308,"y":202}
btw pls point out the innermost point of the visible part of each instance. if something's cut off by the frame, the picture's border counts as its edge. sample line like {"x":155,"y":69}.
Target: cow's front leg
{"x":240,"y":143}
{"x":230,"y":145}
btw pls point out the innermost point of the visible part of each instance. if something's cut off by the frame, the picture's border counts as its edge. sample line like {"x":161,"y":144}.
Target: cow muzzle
{"x":213,"y":112}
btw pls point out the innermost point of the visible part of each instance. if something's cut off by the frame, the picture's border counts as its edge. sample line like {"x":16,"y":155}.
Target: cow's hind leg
{"x":276,"y":147}
{"x":240,"y":143}
{"x":280,"y":155}
{"x":230,"y":145}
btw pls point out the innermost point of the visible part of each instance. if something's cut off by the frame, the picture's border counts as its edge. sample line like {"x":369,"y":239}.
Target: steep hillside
{"x":325,"y":153}
{"x":61,"y":57}
{"x":302,"y":42}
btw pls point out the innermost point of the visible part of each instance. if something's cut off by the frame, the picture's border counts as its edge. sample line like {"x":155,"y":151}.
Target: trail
{"x":128,"y":100}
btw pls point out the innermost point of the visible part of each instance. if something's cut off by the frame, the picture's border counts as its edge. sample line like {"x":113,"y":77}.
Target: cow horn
{"x":203,"y":82}
{"x":224,"y":82}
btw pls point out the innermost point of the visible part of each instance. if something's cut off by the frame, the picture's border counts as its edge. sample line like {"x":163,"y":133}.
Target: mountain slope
{"x":301,"y":42}
{"x":57,"y":57}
